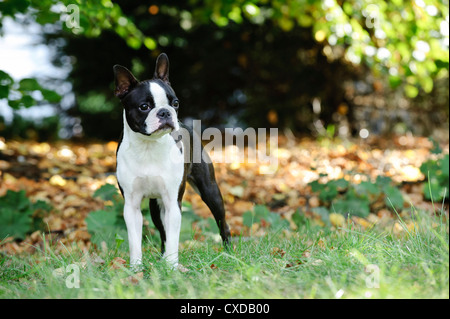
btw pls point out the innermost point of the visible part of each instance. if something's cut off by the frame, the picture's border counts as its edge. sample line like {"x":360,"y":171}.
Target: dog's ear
{"x":124,"y":80}
{"x":162,"y":68}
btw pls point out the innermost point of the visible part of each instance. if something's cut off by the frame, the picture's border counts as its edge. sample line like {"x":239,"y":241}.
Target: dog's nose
{"x":163,"y":114}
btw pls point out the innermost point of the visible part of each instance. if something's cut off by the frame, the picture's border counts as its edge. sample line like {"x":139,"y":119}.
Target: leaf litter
{"x":66,"y":174}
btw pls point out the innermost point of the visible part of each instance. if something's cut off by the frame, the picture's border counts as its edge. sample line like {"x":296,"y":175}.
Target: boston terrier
{"x":152,"y":161}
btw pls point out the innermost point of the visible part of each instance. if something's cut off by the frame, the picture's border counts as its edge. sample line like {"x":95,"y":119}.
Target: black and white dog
{"x":152,"y":161}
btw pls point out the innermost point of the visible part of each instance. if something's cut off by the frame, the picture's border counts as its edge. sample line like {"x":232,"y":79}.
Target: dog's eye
{"x":144,"y":107}
{"x":175,"y":104}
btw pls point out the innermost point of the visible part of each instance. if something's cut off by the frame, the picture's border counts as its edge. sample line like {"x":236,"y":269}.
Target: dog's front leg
{"x":172,"y":225}
{"x":133,"y":219}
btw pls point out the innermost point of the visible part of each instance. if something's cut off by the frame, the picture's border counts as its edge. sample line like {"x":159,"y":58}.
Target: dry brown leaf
{"x":133,"y":279}
{"x":277,"y":252}
{"x":117,"y":263}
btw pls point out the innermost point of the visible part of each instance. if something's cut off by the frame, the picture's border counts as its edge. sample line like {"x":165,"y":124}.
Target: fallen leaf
{"x":337,"y":220}
{"x":133,"y":279}
{"x":361,"y":221}
{"x":237,"y":191}
{"x":57,"y":180}
{"x":277,"y":252}
{"x":314,"y":201}
{"x":117,"y":263}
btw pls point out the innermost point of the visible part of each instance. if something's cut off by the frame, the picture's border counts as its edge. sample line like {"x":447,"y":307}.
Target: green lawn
{"x":311,"y":262}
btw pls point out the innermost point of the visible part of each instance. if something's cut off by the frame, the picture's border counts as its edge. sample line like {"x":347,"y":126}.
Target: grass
{"x":308,"y":263}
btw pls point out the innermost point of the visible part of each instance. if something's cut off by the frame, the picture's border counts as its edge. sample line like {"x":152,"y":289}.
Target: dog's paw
{"x":136,"y":268}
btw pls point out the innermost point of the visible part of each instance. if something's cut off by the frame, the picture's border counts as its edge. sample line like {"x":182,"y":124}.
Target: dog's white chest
{"x":150,"y":168}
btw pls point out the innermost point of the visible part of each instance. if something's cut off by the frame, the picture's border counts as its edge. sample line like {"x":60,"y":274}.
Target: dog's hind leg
{"x":155,"y":213}
{"x":203,"y":181}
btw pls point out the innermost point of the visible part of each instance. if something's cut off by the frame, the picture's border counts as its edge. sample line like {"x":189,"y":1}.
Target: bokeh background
{"x":321,"y":68}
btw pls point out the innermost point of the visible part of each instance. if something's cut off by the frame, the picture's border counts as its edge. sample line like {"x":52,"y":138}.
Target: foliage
{"x":25,"y":93}
{"x":276,"y":56}
{"x":67,"y":173}
{"x":262,"y":215}
{"x":436,"y":187}
{"x":341,"y":196}
{"x":94,"y":17}
{"x":107,"y":225}
{"x":404,"y":39}
{"x":19,"y":216}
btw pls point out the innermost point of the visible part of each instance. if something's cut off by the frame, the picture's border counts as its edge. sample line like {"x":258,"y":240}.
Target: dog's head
{"x":150,"y":106}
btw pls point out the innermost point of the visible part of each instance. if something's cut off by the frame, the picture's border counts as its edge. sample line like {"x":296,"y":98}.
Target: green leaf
{"x":134,"y":42}
{"x":316,"y":186}
{"x":189,"y":217}
{"x":445,"y":165}
{"x":429,"y":168}
{"x":261,"y":211}
{"x":432,"y":190}
{"x":5,"y":83}
{"x":4,"y":91}
{"x":212,"y":225}
{"x":106,"y":192}
{"x":427,"y":84}
{"x":100,"y":221}
{"x":329,"y":193}
{"x":5,"y":78}
{"x":40,"y":205}
{"x":104,"y":227}
{"x":324,"y":214}
{"x":51,"y":96}
{"x":29,"y":84}
{"x":14,"y":223}
{"x":27,"y":100}
{"x":18,"y":216}
{"x":393,"y":197}
{"x":248,"y":219}
{"x":251,"y":10}
{"x":352,"y":205}
{"x":299,"y":218}
{"x":411,"y":91}
{"x":437,"y":174}
{"x":436,"y":147}
{"x":383,"y":181}
{"x":277,"y":222}
{"x":341,"y":183}
{"x":367,"y":188}
{"x":15,"y":200}
{"x":119,"y":240}
{"x":395,"y":81}
{"x":150,"y":43}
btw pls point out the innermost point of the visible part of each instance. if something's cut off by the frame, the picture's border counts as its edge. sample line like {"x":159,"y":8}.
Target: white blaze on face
{"x":159,"y":95}
{"x":161,"y":101}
